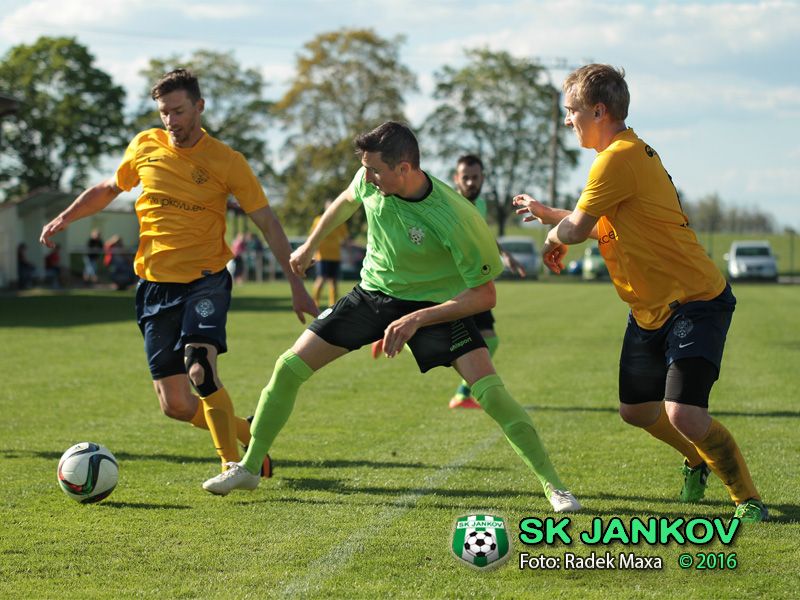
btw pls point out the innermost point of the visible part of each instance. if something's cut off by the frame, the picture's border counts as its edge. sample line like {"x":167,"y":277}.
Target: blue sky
{"x":715,"y":85}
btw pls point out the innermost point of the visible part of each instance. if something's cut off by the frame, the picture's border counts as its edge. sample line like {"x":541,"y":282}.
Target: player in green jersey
{"x":431,"y":261}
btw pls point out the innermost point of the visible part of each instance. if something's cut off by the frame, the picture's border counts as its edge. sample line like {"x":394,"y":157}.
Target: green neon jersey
{"x":428,"y":249}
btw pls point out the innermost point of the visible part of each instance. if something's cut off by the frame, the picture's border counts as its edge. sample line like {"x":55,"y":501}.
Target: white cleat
{"x":235,"y":477}
{"x":562,"y":500}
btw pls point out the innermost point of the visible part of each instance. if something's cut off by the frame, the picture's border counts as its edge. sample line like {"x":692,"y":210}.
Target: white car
{"x":752,"y":260}
{"x":524,"y":251}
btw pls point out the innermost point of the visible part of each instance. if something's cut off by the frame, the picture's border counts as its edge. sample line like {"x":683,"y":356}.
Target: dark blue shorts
{"x":362,"y":316}
{"x":694,"y":330}
{"x":170,"y":315}
{"x":329,"y":269}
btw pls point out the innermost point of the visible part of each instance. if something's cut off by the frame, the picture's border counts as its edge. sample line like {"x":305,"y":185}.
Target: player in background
{"x":681,"y":306}
{"x":431,"y":261}
{"x":328,"y":260}
{"x":184,"y":289}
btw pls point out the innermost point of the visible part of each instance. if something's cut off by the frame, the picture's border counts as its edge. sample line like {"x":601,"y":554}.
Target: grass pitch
{"x":373,"y":468}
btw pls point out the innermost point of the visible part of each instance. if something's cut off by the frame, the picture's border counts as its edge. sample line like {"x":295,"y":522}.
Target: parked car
{"x":593,"y":265}
{"x":524,"y":250}
{"x":752,"y":260}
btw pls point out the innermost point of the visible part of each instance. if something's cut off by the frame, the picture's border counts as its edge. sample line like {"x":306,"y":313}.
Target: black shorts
{"x":694,"y":330}
{"x":362,"y":316}
{"x":329,"y":269}
{"x":170,"y":315}
{"x":484,"y":320}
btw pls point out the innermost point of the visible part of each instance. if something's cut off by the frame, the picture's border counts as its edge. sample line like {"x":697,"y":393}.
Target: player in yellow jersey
{"x":329,"y":260}
{"x":184,"y":289}
{"x":681,"y":306}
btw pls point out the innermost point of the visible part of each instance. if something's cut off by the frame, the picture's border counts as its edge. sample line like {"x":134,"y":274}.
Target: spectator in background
{"x":119,"y":263}
{"x":53,"y":272}
{"x":25,"y":268}
{"x":91,"y":260}
{"x":238,"y":249}
{"x":329,"y":260}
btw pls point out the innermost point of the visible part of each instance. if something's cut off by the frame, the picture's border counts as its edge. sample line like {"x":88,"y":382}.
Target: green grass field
{"x":373,"y":468}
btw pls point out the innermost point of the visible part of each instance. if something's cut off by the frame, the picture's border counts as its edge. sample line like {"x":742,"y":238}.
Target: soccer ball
{"x":87,"y":472}
{"x":479,"y":543}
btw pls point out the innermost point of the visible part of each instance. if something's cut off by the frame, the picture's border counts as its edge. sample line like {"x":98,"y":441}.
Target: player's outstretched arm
{"x":573,"y":229}
{"x":533,"y":210}
{"x":89,"y":202}
{"x":337,"y":213}
{"x":271,"y":227}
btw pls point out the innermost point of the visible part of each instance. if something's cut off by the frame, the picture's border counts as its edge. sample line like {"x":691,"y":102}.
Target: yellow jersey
{"x":182,"y":206}
{"x":330,"y":248}
{"x":653,"y":257}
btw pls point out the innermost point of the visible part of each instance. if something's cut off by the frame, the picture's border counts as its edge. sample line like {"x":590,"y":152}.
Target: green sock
{"x":518,"y":427}
{"x":274,"y":407}
{"x":464,"y":390}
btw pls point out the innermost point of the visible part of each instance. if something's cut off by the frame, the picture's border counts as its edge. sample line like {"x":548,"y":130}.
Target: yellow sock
{"x":331,"y":296}
{"x":723,"y":457}
{"x":665,"y":431}
{"x":218,"y":410}
{"x":242,"y":426}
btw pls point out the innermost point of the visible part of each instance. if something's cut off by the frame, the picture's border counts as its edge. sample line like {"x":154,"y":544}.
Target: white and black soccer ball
{"x":87,"y":472}
{"x":479,"y":543}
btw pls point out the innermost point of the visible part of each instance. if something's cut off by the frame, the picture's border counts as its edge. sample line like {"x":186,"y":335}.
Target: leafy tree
{"x":347,"y":82}
{"x":70,"y":115}
{"x":498,"y":107}
{"x":236,"y":111}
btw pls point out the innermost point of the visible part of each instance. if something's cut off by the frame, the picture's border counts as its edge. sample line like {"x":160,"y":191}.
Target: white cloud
{"x":220,"y":11}
{"x":68,"y":16}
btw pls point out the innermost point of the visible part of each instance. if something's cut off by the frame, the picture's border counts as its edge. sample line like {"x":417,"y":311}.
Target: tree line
{"x":498,"y":106}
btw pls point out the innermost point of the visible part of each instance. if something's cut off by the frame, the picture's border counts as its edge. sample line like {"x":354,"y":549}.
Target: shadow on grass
{"x":70,"y":309}
{"x":788,"y":513}
{"x":144,"y":506}
{"x":8,"y":454}
{"x":777,"y":414}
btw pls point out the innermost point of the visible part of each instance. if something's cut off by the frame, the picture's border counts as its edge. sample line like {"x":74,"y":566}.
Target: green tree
{"x":236,"y":111}
{"x":70,"y":115}
{"x":347,"y":82}
{"x":500,"y":108}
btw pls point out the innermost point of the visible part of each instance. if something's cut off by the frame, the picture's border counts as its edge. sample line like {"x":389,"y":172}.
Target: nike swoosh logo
{"x":679,"y":345}
{"x":201,"y":326}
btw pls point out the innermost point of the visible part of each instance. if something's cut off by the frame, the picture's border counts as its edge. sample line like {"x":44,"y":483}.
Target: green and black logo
{"x":481,"y":541}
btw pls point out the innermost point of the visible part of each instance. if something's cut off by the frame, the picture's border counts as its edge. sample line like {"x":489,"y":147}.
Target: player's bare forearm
{"x":274,"y":234}
{"x":468,"y":302}
{"x":89,"y":202}
{"x":574,"y":228}
{"x":337,"y":213}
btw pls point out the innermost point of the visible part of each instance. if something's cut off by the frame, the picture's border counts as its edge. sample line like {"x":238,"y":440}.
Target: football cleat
{"x":751,"y":511}
{"x":695,"y":481}
{"x":562,"y":500}
{"x":461,"y":402}
{"x":236,"y":477}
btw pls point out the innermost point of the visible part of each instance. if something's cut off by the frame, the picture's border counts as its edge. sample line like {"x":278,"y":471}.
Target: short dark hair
{"x":469,"y":160}
{"x":395,"y":141}
{"x":178,"y":79}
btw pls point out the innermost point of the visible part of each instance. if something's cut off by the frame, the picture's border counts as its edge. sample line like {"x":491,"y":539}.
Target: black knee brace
{"x":199,"y":356}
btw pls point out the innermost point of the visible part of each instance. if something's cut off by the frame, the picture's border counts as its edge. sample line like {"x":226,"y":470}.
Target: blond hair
{"x":600,"y":84}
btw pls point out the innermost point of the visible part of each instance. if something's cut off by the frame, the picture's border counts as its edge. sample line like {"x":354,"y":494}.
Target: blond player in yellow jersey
{"x":184,"y":289}
{"x":681,"y":306}
{"x":328,"y":260}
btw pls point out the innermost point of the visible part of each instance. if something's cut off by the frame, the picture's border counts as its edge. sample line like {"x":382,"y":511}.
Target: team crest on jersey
{"x":683,"y":326}
{"x":204,"y":308}
{"x":199,"y":175}
{"x":416,"y":235}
